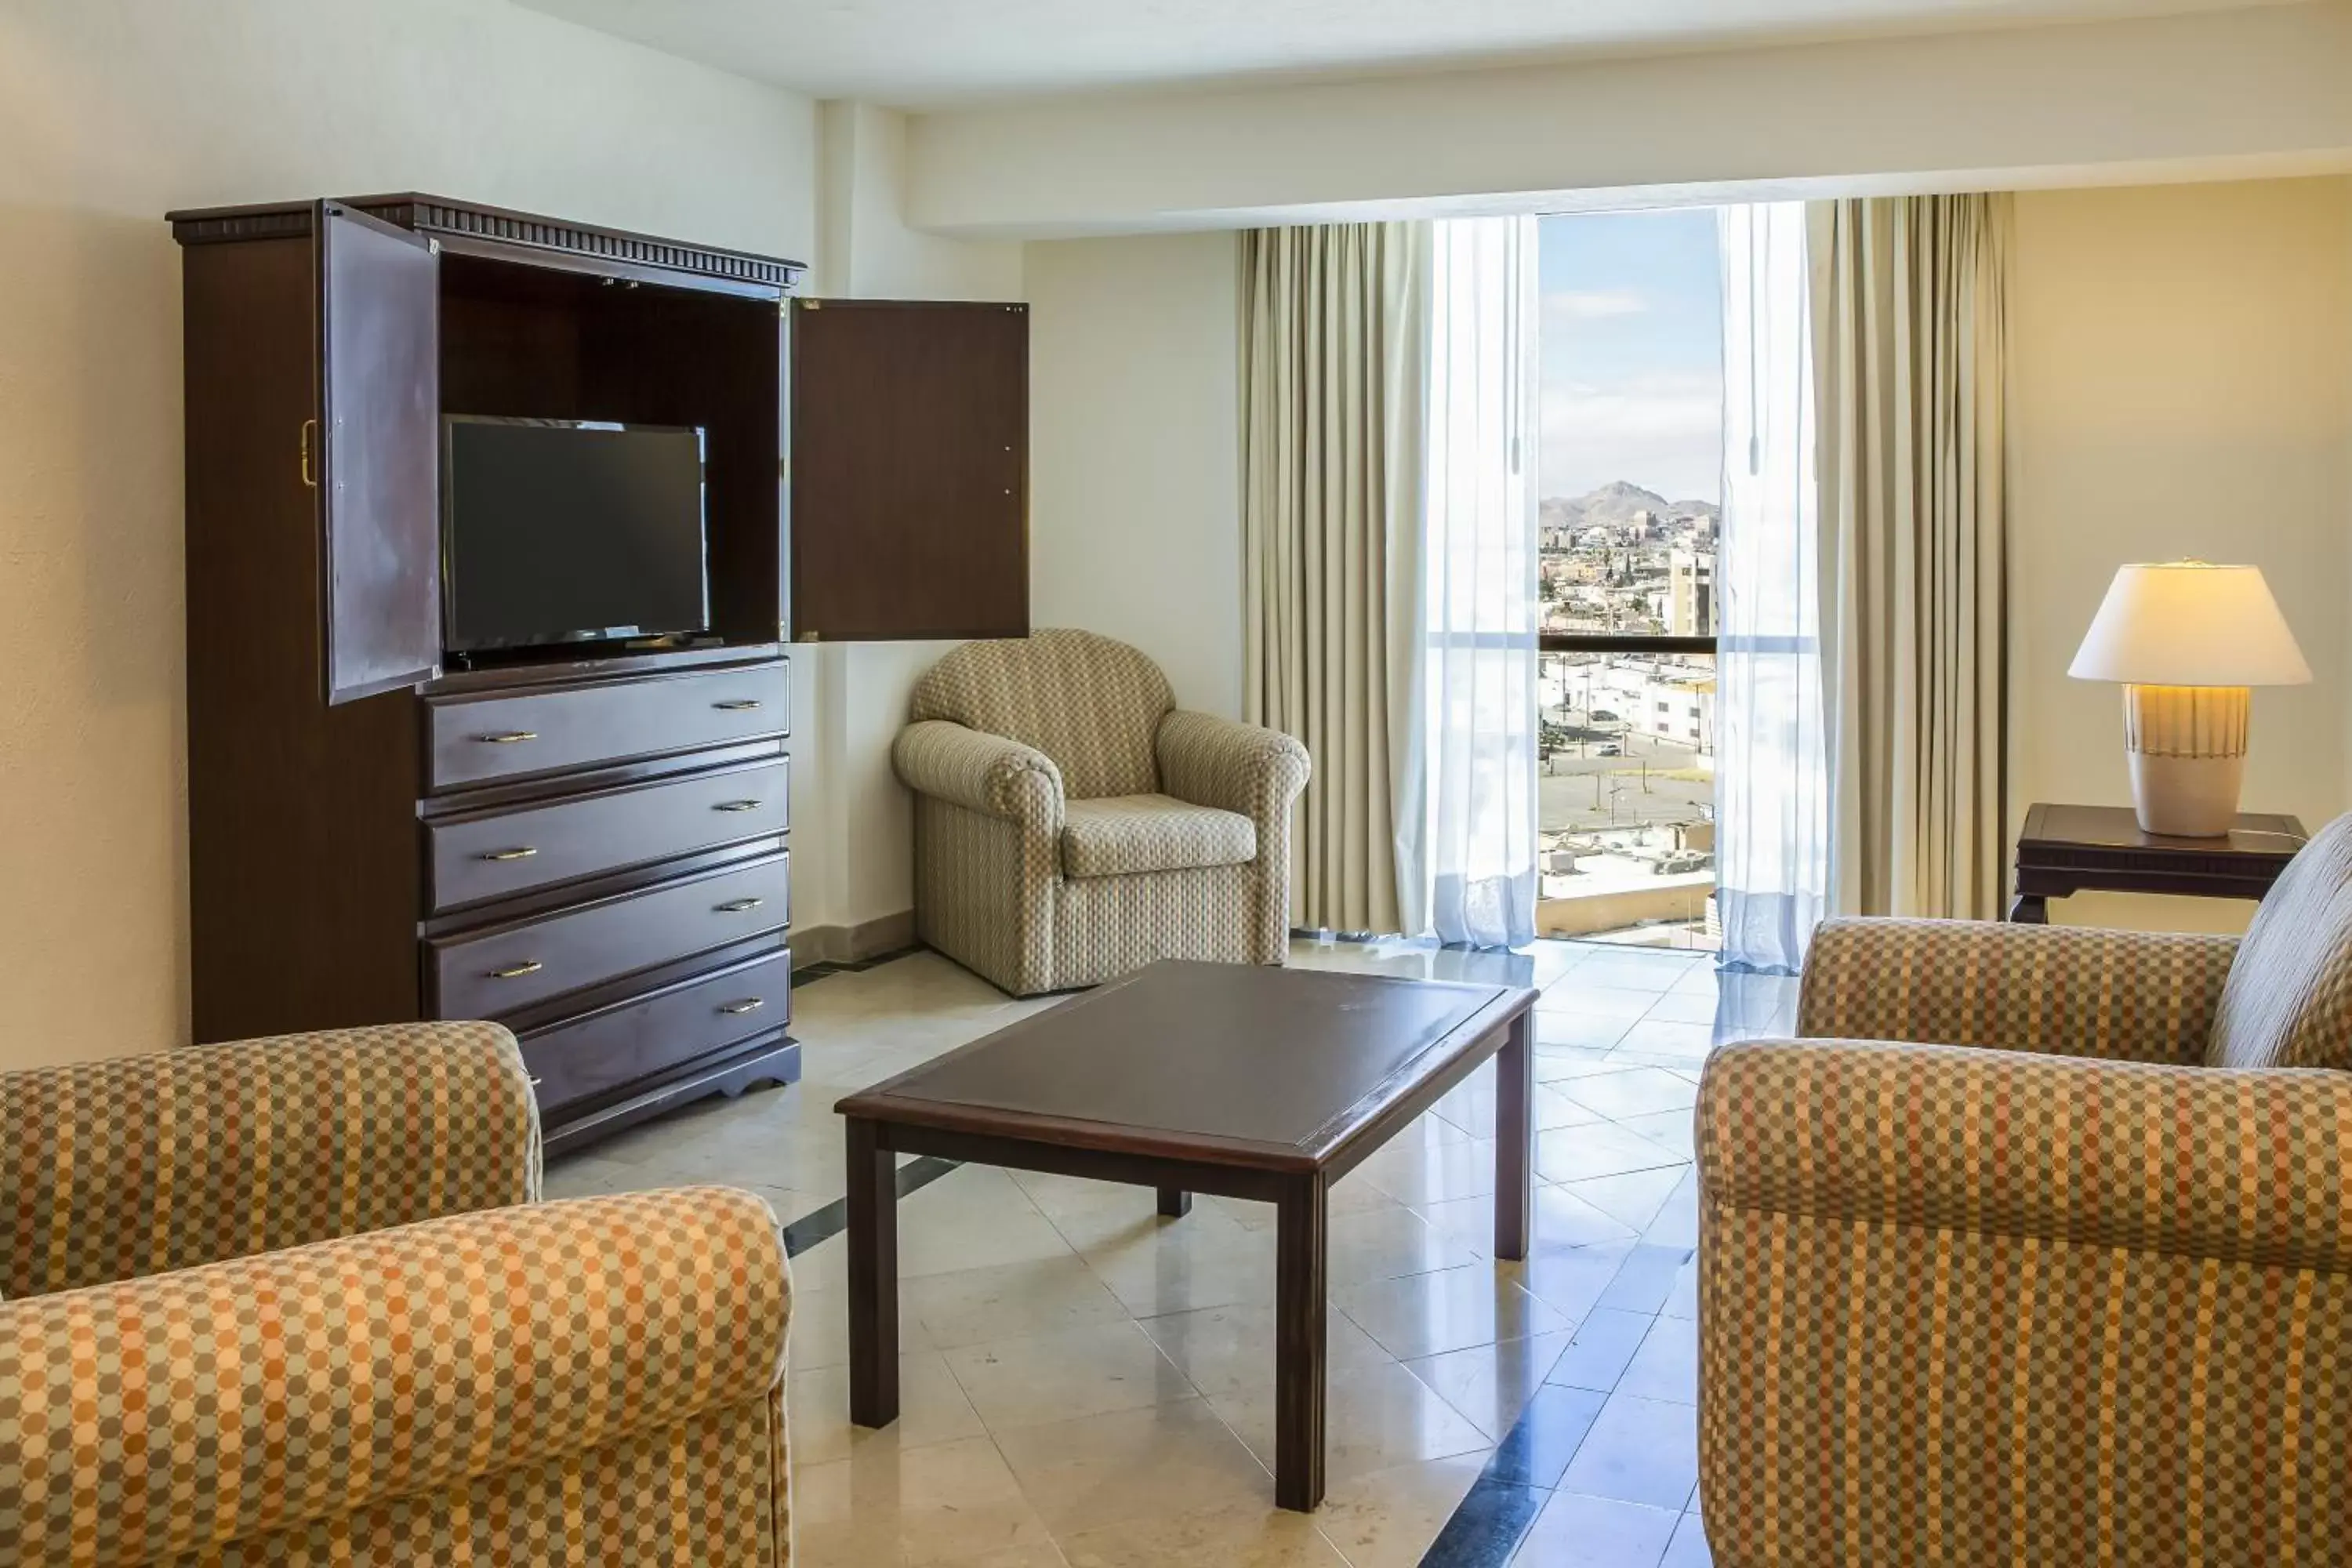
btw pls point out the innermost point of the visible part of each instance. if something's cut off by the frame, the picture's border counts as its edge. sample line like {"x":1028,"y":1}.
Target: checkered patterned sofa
{"x":1071,"y":825}
{"x":2038,"y":1248}
{"x":295,"y":1301}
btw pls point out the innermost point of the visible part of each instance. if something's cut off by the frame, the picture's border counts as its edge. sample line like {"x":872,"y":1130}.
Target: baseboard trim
{"x":854,"y":943}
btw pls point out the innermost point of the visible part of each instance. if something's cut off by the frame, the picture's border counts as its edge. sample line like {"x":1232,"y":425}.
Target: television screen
{"x":561,"y":530}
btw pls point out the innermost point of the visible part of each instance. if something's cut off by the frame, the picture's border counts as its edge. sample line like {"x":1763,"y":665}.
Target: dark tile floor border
{"x":803,"y":974}
{"x":822,"y":1224}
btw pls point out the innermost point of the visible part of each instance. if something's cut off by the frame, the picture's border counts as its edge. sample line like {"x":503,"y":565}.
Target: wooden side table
{"x":2067,"y":850}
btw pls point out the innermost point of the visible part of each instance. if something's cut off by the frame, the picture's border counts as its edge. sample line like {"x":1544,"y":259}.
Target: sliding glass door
{"x":1630,"y":471}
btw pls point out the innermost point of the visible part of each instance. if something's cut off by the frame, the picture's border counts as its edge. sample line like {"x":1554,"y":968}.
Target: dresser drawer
{"x":493,"y":973}
{"x":630,"y":1041}
{"x":474,"y":740}
{"x":494,"y":854}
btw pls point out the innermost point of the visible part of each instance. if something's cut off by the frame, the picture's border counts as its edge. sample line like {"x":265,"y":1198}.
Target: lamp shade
{"x":2186,"y":623}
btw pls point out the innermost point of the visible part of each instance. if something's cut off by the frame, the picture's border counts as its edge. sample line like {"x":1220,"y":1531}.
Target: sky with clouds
{"x":1633,"y":353}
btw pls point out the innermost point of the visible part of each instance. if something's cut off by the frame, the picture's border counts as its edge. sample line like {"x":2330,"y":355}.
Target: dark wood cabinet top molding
{"x":619,"y":251}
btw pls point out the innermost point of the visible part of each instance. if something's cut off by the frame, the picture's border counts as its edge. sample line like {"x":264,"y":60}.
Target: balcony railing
{"x":1625,"y":787}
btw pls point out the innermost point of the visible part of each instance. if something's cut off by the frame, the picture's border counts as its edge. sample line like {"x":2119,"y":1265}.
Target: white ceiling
{"x":922,"y":54}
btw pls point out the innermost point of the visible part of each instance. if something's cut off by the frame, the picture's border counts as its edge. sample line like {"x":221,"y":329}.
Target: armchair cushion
{"x":1121,"y":834}
{"x":603,"y":1370}
{"x":134,"y":1165}
{"x":2289,"y":1000}
{"x":2067,"y":990}
{"x":1086,"y":701}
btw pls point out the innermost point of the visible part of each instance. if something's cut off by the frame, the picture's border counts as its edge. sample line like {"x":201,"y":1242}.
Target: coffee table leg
{"x":1298,"y":1344}
{"x":872,"y":1278}
{"x":1175,"y":1201}
{"x":1515,"y":1082}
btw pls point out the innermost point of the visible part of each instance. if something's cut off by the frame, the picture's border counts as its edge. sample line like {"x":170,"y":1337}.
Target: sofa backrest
{"x":1090,"y":703}
{"x":2288,"y":1000}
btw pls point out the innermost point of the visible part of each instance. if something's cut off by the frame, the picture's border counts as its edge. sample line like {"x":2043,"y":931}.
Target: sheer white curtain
{"x":1466,"y":840}
{"x":1772,"y":850}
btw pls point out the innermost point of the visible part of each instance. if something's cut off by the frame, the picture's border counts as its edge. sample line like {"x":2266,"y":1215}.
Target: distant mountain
{"x":1617,"y":501}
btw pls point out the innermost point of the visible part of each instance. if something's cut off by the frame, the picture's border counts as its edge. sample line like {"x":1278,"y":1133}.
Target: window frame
{"x":1623,"y":642}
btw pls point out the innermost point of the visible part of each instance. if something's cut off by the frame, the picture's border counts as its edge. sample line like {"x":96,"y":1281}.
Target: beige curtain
{"x":1909,"y":318}
{"x":1334,"y":367}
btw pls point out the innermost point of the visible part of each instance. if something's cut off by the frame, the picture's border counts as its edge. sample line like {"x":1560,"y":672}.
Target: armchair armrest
{"x":979,"y":772}
{"x":2137,"y":995}
{"x":1241,"y":768}
{"x":226,"y":1402}
{"x":134,"y":1165}
{"x":2093,"y":1294}
{"x":2244,"y":1167}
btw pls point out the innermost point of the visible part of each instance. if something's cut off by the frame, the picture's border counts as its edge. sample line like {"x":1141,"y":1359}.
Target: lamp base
{"x":2187,"y":747}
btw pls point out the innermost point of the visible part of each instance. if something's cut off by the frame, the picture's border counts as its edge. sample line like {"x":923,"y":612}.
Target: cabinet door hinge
{"x":310,"y":470}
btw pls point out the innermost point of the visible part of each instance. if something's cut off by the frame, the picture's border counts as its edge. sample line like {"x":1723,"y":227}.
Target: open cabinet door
{"x":909,"y":469}
{"x":373,"y":454}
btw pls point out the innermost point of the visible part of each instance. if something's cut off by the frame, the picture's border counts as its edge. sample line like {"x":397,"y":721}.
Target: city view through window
{"x":1630,"y":465}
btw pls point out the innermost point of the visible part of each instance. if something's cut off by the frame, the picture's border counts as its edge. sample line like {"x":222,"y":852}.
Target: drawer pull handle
{"x":525,"y":853}
{"x":508,"y":736}
{"x":749,"y":1005}
{"x":737,"y":805}
{"x":737,"y":705}
{"x":516,"y":972}
{"x":738,"y":906}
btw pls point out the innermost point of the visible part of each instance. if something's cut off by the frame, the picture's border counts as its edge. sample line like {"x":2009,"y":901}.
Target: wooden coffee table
{"x":1195,"y":1078}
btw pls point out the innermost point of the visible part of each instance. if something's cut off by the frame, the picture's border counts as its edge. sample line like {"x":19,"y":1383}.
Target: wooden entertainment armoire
{"x":590,"y":845}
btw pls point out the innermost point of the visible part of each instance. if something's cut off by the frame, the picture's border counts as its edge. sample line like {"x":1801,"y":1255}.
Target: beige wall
{"x":2182,"y":385}
{"x":1135,"y":443}
{"x":2179,"y":387}
{"x":110,"y":111}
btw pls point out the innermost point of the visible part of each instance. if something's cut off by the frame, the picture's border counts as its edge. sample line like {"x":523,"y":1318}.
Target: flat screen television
{"x":567,"y":531}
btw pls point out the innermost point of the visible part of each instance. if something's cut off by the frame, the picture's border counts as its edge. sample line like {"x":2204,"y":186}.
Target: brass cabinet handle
{"x":508,"y":736}
{"x":737,"y":805}
{"x":737,"y":705}
{"x":737,"y":905}
{"x":516,"y":972}
{"x":749,"y":1005}
{"x":525,"y":853}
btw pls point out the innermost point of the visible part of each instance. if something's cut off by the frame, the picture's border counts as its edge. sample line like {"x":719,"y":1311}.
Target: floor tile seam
{"x":1131,"y":1322}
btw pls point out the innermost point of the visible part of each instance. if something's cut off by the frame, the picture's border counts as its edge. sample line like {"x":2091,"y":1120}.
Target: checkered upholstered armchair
{"x":2039,"y":1247}
{"x":1071,"y":825}
{"x":295,"y":1301}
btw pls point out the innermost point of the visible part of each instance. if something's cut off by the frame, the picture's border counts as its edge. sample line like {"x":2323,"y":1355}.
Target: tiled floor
{"x":1087,"y":1385}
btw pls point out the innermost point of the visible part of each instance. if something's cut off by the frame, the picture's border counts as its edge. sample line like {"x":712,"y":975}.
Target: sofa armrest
{"x":1992,"y":1306}
{"x":223,"y":1402}
{"x":979,"y":772}
{"x":134,"y":1165}
{"x":2137,"y":995}
{"x":1240,"y":768}
{"x":2242,"y":1167}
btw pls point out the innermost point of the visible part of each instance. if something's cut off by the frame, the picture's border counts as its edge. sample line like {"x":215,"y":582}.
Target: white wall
{"x":1135,"y":447}
{"x":2226,"y":94}
{"x":2179,"y":386}
{"x":110,"y":111}
{"x":853,"y":822}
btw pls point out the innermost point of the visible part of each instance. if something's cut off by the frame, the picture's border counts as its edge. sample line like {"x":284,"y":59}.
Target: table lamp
{"x":2186,"y":639}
